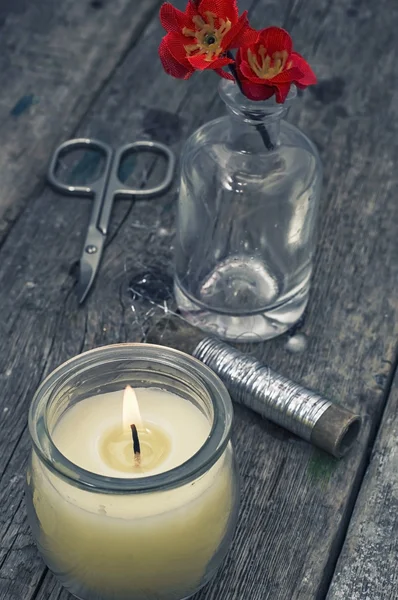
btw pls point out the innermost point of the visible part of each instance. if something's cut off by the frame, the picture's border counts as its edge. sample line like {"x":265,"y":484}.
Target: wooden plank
{"x":296,"y":501}
{"x":54,"y":57}
{"x":367,"y":567}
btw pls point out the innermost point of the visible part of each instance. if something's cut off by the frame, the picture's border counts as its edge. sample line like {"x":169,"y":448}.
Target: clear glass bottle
{"x":249,"y":196}
{"x":159,"y":537}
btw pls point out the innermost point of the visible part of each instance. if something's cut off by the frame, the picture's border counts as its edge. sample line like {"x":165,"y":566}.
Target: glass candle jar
{"x":250,"y":189}
{"x":160,"y":534}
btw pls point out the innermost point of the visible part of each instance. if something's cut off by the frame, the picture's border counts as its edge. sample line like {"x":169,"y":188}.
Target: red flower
{"x":270,"y":66}
{"x":200,"y":37}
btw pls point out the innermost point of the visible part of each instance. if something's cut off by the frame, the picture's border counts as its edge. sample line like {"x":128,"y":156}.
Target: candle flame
{"x":131,"y":410}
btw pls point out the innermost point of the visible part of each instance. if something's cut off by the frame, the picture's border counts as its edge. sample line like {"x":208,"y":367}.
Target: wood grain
{"x":367,"y":567}
{"x":296,"y":502}
{"x":54,"y":58}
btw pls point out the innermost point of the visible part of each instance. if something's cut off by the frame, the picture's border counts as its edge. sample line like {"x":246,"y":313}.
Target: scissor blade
{"x":89,"y":262}
{"x":86,"y":280}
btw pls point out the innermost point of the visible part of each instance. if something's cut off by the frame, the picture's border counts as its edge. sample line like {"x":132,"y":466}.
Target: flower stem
{"x":261,"y":128}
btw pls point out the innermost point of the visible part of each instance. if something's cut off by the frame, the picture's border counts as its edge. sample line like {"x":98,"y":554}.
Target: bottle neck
{"x":267,"y":128}
{"x":265,"y":116}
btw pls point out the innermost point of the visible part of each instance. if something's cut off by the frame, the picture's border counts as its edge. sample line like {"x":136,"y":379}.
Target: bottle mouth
{"x":238,"y":104}
{"x":146,"y":364}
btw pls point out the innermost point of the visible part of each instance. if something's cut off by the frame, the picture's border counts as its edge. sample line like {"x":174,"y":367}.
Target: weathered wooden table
{"x":310,"y":527}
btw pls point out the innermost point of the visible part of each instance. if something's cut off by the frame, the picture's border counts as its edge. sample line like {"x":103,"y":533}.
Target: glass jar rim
{"x":194,"y":467}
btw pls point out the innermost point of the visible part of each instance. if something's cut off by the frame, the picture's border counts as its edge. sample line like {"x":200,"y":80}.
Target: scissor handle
{"x":80,"y":144}
{"x":146,"y":145}
{"x":116,"y":187}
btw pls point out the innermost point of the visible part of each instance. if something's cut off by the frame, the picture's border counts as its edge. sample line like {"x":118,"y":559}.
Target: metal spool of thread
{"x":253,"y":384}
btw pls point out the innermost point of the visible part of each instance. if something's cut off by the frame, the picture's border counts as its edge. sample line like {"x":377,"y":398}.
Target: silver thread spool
{"x":250,"y":383}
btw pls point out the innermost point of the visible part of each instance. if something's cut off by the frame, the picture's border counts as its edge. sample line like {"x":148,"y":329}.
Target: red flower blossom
{"x":270,"y":66}
{"x":200,"y":37}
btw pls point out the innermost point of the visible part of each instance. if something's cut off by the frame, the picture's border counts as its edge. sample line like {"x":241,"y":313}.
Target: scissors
{"x":104,"y":191}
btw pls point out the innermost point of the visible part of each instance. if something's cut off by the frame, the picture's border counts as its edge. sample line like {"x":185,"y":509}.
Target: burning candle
{"x":132,"y":490}
{"x":108,"y":435}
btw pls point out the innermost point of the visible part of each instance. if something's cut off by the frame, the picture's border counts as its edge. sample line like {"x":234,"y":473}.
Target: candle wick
{"x":136,"y":444}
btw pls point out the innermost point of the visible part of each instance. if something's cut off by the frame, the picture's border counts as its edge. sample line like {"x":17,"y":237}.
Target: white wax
{"x":185,"y":425}
{"x":154,"y":545}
